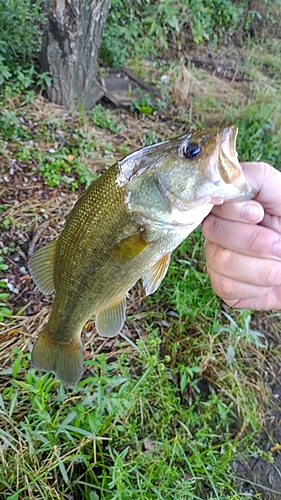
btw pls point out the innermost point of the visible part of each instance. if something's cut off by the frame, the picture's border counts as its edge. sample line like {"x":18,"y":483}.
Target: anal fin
{"x":41,"y":267}
{"x":153,"y":277}
{"x":111,"y":319}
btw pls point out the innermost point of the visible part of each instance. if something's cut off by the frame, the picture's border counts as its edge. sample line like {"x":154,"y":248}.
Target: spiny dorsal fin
{"x":111,"y":319}
{"x":153,"y":277}
{"x":41,"y":267}
{"x":130,"y":247}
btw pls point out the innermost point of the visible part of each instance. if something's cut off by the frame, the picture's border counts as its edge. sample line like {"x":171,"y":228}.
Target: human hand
{"x":243,"y":244}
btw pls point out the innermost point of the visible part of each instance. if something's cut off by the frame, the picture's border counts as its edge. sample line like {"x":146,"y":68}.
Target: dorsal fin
{"x":41,"y":267}
{"x":153,"y":277}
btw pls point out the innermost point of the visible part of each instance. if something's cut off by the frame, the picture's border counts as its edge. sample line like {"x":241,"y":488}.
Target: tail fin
{"x":65,"y":359}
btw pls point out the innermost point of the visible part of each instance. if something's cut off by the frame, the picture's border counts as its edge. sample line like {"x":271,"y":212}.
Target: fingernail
{"x":252,"y":212}
{"x":276,"y":250}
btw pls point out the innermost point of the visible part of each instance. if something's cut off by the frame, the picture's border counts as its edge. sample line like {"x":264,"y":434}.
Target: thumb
{"x":240,"y":211}
{"x":267,"y":182}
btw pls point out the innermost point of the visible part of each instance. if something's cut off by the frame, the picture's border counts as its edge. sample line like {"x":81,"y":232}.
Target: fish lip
{"x":228,"y":148}
{"x":224,"y":151}
{"x":227,"y":144}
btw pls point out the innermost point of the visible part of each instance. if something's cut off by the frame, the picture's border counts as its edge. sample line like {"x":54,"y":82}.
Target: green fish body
{"x":123,"y":228}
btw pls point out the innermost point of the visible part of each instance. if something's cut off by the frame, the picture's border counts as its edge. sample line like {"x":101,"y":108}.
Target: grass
{"x":165,"y":416}
{"x":114,"y":436}
{"x":166,"y":419}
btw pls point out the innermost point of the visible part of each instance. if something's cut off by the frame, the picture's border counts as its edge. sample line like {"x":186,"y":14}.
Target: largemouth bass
{"x":123,"y":228}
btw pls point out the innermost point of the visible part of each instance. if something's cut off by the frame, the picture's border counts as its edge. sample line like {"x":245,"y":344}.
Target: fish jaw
{"x":191,"y":217}
{"x":232,"y":179}
{"x":227,"y":181}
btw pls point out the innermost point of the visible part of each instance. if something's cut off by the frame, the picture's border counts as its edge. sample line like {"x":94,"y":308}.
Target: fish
{"x":124,"y":227}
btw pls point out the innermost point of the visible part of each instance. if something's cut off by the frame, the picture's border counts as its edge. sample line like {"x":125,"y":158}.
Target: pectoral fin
{"x":153,"y":277}
{"x":41,"y":267}
{"x":130,"y":247}
{"x":110,"y":320}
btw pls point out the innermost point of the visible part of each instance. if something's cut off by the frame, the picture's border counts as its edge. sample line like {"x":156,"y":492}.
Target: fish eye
{"x":191,"y":150}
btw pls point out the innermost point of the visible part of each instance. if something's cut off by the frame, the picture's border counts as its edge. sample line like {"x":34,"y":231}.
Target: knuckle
{"x":258,"y":241}
{"x":223,"y":286}
{"x":208,"y":226}
{"x":270,"y":274}
{"x":222,"y":258}
{"x":228,"y":288}
{"x":266,"y":170}
{"x":213,"y":228}
{"x":264,"y":166}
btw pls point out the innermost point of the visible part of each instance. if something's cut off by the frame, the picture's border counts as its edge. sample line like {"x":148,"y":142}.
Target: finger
{"x":255,"y":271}
{"x":270,"y":300}
{"x":248,"y":212}
{"x":248,"y":297}
{"x":232,"y":290}
{"x":267,"y":182}
{"x":272,"y":222}
{"x":247,"y":269}
{"x":247,"y":239}
{"x":243,"y":211}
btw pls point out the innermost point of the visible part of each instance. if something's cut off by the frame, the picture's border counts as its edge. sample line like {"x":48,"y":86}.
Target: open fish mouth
{"x":229,"y":168}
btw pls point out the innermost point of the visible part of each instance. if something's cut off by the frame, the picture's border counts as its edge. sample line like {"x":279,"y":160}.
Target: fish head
{"x":199,"y":169}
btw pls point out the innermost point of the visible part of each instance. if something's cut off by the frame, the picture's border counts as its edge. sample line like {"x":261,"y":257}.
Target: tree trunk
{"x":71,"y":42}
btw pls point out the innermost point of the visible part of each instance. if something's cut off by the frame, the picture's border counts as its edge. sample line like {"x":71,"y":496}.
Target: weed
{"x":62,"y":163}
{"x":61,"y":167}
{"x":11,"y":127}
{"x":142,"y":27}
{"x":259,"y":136}
{"x":8,"y":222}
{"x":101,"y":118}
{"x":147,"y":104}
{"x":5,"y":310}
{"x":149,"y":138}
{"x":20,"y":42}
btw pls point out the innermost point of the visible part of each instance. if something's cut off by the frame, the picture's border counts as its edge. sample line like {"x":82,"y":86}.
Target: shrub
{"x":20,"y":37}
